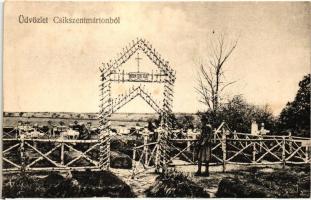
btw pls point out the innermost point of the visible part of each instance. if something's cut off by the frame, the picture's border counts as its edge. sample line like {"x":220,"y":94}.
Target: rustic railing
{"x":146,"y":155}
{"x":22,"y":154}
{"x":56,"y":154}
{"x":241,"y":148}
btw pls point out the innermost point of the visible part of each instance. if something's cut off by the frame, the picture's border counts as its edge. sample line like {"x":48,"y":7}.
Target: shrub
{"x":22,"y":186}
{"x":120,"y":160}
{"x":282,"y":183}
{"x":234,"y":187}
{"x":174,"y":184}
{"x":58,"y":186}
{"x":81,"y":184}
{"x":101,"y":184}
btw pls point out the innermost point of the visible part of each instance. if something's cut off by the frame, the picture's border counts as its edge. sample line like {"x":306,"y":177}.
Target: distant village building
{"x":124,"y":130}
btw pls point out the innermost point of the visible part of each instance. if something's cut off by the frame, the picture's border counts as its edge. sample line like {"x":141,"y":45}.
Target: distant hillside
{"x":89,"y":116}
{"x":42,"y":118}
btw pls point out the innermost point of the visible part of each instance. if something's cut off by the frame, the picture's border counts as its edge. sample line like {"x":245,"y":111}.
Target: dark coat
{"x":204,"y":151}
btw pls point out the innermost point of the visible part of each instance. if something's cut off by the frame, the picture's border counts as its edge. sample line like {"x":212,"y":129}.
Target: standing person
{"x":50,"y":129}
{"x":204,"y":149}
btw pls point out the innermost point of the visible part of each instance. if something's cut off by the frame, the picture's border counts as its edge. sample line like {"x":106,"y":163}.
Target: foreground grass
{"x":291,"y":182}
{"x":77,"y":184}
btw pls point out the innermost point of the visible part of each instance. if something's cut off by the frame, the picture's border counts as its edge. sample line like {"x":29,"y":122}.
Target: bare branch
{"x":226,"y":85}
{"x":204,"y":96}
{"x":211,"y":79}
{"x":206,"y":77}
{"x":229,"y":53}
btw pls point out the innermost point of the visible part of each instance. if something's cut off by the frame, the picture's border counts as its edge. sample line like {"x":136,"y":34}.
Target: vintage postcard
{"x":156,"y":99}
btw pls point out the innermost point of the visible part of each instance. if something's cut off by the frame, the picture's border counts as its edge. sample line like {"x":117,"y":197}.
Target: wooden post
{"x":146,"y":148}
{"x":188,"y":141}
{"x":157,"y":153}
{"x":163,"y":150}
{"x":53,"y":133}
{"x":261,"y":144}
{"x":134,"y":162}
{"x":224,"y":150}
{"x":62,"y":150}
{"x":234,"y":134}
{"x":134,"y":152}
{"x":22,"y":153}
{"x":307,"y":154}
{"x":283,"y":152}
{"x":254,"y":152}
{"x":104,"y":160}
{"x":108,"y":149}
{"x":188,"y":145}
{"x":290,"y":139}
{"x":18,"y":132}
{"x":34,"y":144}
{"x":214,"y":135}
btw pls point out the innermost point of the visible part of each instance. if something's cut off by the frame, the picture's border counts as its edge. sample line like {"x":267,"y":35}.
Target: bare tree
{"x":211,"y":78}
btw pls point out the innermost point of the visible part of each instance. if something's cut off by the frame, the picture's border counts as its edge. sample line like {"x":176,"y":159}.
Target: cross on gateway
{"x":138,"y":58}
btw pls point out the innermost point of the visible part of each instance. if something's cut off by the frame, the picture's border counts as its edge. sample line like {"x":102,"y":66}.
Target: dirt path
{"x":146,"y":178}
{"x":140,"y":183}
{"x":210,"y":184}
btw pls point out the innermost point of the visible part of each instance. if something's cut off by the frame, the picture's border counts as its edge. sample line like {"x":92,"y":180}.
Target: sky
{"x":55,"y":67}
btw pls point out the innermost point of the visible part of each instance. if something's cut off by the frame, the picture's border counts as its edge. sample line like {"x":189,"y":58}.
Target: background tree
{"x":295,"y":117}
{"x":239,"y":114}
{"x":211,"y":78}
{"x":54,"y":115}
{"x":185,"y":122}
{"x":49,"y":122}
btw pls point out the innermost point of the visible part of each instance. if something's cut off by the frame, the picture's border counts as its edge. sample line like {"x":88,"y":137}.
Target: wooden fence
{"x":50,"y":154}
{"x":22,"y":154}
{"x":241,"y":148}
{"x":147,"y":156}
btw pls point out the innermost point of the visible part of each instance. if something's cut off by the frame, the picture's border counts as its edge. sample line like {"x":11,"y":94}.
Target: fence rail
{"x":240,"y":148}
{"x":49,"y":154}
{"x":57,"y":154}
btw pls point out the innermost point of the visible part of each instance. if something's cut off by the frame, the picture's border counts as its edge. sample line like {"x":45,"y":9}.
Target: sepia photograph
{"x":167,"y":99}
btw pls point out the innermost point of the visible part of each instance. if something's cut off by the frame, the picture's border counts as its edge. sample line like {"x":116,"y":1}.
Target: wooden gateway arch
{"x":110,"y":72}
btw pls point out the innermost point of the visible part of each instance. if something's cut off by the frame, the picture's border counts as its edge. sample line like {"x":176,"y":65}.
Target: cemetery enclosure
{"x":24,"y":154}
